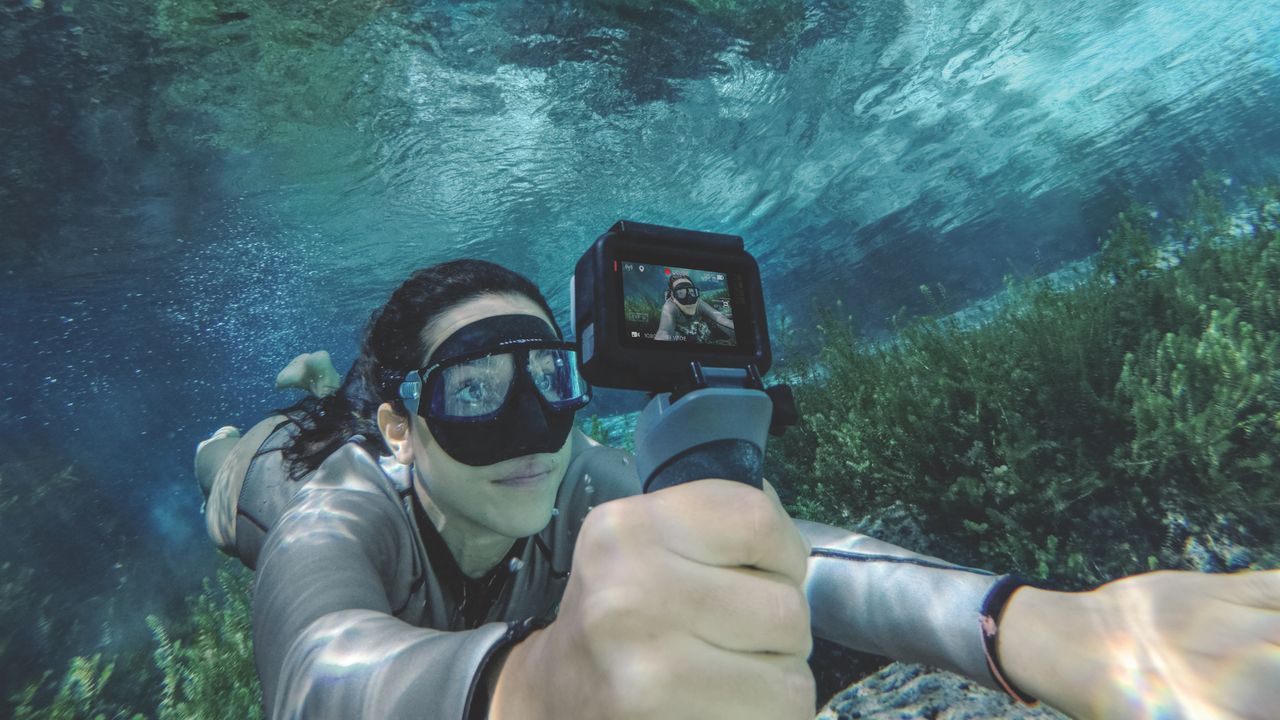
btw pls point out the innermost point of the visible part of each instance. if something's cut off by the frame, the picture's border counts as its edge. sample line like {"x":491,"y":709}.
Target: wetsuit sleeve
{"x":667,"y":324}
{"x":876,"y":597}
{"x":715,"y":316}
{"x":326,"y":641}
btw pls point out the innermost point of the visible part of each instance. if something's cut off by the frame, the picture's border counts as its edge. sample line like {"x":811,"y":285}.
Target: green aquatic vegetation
{"x":595,"y":429}
{"x":204,"y":659}
{"x":208,"y":670}
{"x":643,"y":309}
{"x":615,"y":432}
{"x":1060,"y":435}
{"x":719,"y":299}
{"x":15,"y":596}
{"x":78,"y":627}
{"x":1204,"y":409}
{"x":51,"y":610}
{"x":79,"y":695}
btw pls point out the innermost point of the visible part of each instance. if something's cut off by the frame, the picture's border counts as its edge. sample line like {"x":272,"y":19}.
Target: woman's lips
{"x":523,"y":479}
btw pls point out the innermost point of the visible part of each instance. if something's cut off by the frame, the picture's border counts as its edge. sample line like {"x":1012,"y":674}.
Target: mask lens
{"x":472,"y":389}
{"x":554,"y":373}
{"x":686,"y":293}
{"x":477,"y":389}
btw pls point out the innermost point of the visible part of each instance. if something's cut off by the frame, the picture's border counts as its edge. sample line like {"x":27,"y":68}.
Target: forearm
{"x":356,"y":663}
{"x":875,"y":597}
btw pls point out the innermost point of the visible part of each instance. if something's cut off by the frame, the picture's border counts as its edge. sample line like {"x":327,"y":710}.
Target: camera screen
{"x":668,"y":304}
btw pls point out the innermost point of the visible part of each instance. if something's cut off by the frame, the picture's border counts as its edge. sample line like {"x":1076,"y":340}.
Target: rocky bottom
{"x":901,"y":691}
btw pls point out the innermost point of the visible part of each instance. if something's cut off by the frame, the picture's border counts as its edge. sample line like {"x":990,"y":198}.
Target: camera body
{"x":649,"y":302}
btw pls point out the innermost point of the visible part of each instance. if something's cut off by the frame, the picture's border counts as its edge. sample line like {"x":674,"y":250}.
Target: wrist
{"x":511,"y":683}
{"x":1045,"y":647}
{"x":993,"y":609}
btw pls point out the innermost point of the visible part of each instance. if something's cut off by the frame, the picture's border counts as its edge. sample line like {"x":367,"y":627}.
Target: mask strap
{"x":411,"y":392}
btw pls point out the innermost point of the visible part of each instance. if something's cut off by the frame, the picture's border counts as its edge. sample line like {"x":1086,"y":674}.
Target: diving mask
{"x":497,"y":389}
{"x":685,"y":294}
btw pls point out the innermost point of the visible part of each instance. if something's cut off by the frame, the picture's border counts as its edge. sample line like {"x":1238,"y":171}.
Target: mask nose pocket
{"x":529,"y":414}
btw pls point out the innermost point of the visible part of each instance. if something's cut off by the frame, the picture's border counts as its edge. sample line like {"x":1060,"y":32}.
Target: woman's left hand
{"x":1158,"y":645}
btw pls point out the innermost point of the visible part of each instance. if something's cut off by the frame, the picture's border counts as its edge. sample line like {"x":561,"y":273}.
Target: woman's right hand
{"x":684,"y":603}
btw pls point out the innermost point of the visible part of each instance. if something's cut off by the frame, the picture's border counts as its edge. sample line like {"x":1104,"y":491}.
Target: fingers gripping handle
{"x":708,"y":433}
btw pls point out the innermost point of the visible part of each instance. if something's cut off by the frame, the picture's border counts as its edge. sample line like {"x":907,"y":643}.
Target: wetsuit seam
{"x":260,"y":452}
{"x":471,"y":711}
{"x":241,"y":513}
{"x":413,"y":589}
{"x":546,"y":553}
{"x":251,"y":473}
{"x":867,"y":557}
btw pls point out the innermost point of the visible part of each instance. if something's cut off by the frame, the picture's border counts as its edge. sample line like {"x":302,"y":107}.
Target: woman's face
{"x":689,"y":306}
{"x":513,"y":498}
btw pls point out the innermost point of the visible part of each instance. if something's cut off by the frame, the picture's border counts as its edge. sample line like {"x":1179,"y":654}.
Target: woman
{"x":443,"y":589}
{"x":686,"y":316}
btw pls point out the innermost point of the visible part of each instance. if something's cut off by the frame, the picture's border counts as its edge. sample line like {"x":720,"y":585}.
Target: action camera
{"x":650,"y":302}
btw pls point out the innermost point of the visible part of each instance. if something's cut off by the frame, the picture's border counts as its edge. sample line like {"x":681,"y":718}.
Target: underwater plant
{"x":79,"y":695}
{"x":52,"y":609}
{"x":204,"y":659}
{"x":208,"y":669}
{"x":1066,"y":435}
{"x":617,"y":431}
{"x":74,"y":641}
{"x":642,"y":308}
{"x":596,"y":430}
{"x":15,"y":594}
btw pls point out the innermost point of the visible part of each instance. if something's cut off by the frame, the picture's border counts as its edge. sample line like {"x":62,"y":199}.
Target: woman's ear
{"x":395,"y":432}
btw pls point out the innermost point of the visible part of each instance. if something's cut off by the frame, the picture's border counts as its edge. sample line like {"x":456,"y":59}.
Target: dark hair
{"x":390,"y":348}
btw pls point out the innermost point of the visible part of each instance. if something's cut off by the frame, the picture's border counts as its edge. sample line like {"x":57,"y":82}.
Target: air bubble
{"x":555,"y":512}
{"x":516,"y":565}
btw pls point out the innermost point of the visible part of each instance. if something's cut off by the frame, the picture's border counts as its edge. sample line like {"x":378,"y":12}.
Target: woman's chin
{"x":526,"y":511}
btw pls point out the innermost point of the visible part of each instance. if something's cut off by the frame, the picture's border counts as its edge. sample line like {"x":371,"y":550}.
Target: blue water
{"x":190,"y":199}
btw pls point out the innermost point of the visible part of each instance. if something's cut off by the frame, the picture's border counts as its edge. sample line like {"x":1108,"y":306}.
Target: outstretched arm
{"x":338,"y":589}
{"x":667,"y":323}
{"x":715,"y":316}
{"x":875,"y":597}
{"x":1164,"y":644}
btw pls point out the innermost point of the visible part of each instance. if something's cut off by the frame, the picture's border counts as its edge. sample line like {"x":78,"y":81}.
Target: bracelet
{"x":989,"y":621}
{"x":518,"y":631}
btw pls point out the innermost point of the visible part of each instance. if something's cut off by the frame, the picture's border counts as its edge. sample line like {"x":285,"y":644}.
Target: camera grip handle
{"x":729,"y":459}
{"x":708,"y":433}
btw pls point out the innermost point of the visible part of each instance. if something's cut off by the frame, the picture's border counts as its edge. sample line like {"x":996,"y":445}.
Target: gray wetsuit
{"x":700,"y":327}
{"x":360,"y":612}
